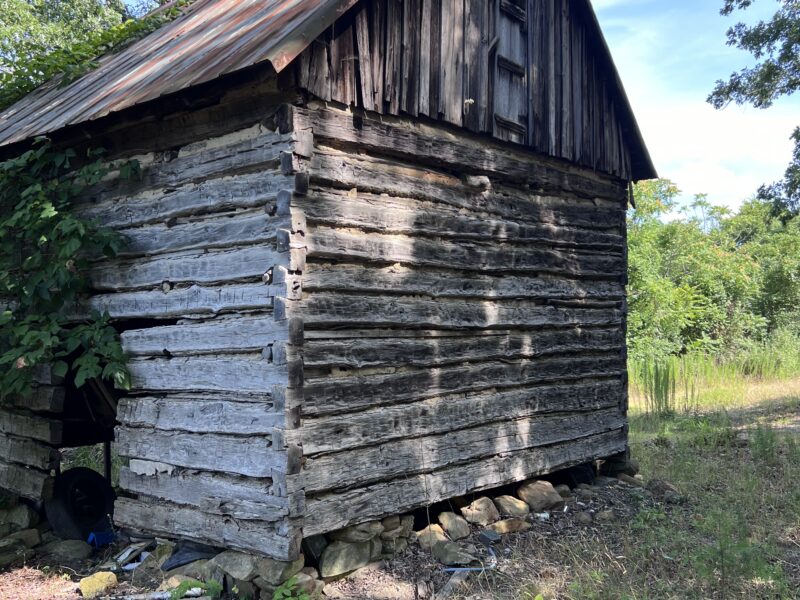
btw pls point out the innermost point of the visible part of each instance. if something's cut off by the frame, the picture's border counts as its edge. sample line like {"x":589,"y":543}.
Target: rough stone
{"x":310,"y":585}
{"x":584,"y":518}
{"x":540,"y":496}
{"x":275,"y":572}
{"x":451,"y":554}
{"x":67,"y":550}
{"x":432,"y":534}
{"x":30,"y":537}
{"x":481,"y":512}
{"x":341,"y":558}
{"x":604,"y":481}
{"x":391,"y":534}
{"x":390,"y":523}
{"x":512,"y":507}
{"x":97,"y":584}
{"x":173,"y":581}
{"x":625,"y":478}
{"x":237,"y":564}
{"x":376,"y":548}
{"x":394,"y":547}
{"x":510,"y":526}
{"x":407,"y":523}
{"x":564,"y":491}
{"x":311,"y":572}
{"x":661,"y":488}
{"x":454,"y":526}
{"x":11,"y":551}
{"x":18,"y":517}
{"x":605,"y":516}
{"x":358,"y":533}
{"x":193,"y":570}
{"x":586,"y":492}
{"x":267,"y":589}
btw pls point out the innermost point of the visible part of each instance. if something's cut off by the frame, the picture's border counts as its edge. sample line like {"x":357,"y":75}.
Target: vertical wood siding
{"x":525,"y":71}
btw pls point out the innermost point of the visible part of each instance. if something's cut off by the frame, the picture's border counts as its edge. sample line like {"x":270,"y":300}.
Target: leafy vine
{"x":46,"y":251}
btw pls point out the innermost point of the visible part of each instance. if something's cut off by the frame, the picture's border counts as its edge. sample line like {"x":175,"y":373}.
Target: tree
{"x":775,"y":44}
{"x":30,"y":28}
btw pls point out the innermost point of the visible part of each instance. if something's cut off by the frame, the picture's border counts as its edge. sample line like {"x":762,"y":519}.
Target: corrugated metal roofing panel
{"x":213,"y":38}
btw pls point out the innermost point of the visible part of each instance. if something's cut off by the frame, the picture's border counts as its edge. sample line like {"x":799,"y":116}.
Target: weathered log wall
{"x":463,"y":314}
{"x":204,"y":425}
{"x":533,"y":72}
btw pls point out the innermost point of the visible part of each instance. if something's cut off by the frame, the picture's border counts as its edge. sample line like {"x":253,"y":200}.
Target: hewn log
{"x":208,"y":196}
{"x":236,"y":334}
{"x":218,"y":494}
{"x":252,"y":456}
{"x":327,"y":310}
{"x":333,"y":511}
{"x":387,"y":214}
{"x":31,"y":426}
{"x":240,"y":152}
{"x":186,"y":301}
{"x":333,"y":433}
{"x":200,"y":415}
{"x":406,"y":179}
{"x":328,"y":243}
{"x":426,"y":352}
{"x":406,"y":457}
{"x":28,"y":483}
{"x":243,"y":373}
{"x":438,"y":146}
{"x":398,"y":279}
{"x":44,"y":398}
{"x":350,"y":394}
{"x":217,"y":266}
{"x":163,"y":518}
{"x":223,"y":231}
{"x":27,"y":452}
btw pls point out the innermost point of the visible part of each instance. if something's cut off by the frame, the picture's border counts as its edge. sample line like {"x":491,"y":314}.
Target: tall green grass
{"x":676,"y":384}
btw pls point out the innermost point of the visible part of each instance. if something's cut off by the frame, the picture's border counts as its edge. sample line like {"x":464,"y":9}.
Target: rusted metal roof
{"x":212,"y":38}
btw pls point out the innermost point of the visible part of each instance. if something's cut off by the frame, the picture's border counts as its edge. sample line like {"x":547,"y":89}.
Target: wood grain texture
{"x":31,"y":426}
{"x":332,"y":511}
{"x":28,"y":453}
{"x":410,"y":456}
{"x":29,"y":483}
{"x":252,"y":456}
{"x":452,"y":412}
{"x":167,"y":519}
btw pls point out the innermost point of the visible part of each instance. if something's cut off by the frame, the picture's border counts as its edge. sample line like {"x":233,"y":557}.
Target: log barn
{"x":376,"y":259}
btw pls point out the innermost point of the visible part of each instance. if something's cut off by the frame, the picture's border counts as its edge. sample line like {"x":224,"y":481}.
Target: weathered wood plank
{"x":442,"y":283}
{"x":314,"y":69}
{"x":186,"y":301}
{"x":409,"y":100}
{"x":27,"y":452}
{"x":367,"y":173}
{"x":28,"y":483}
{"x":244,"y":191}
{"x":240,"y":334}
{"x":242,"y":373}
{"x":44,"y":398}
{"x":186,"y":267}
{"x":425,"y":352}
{"x":326,"y":310}
{"x":31,"y":426}
{"x":394,"y":55}
{"x":218,"y":494}
{"x":168,"y":519}
{"x":224,"y":231}
{"x":241,"y":152}
{"x":407,"y":457}
{"x":334,"y":511}
{"x":365,"y":67}
{"x":252,"y":456}
{"x":439,"y":147}
{"x":343,"y":67}
{"x":451,"y":101}
{"x":389,"y":214}
{"x":350,"y":394}
{"x":448,"y":413}
{"x":328,"y":243}
{"x":377,"y":20}
{"x":476,"y":59}
{"x":201,"y":415}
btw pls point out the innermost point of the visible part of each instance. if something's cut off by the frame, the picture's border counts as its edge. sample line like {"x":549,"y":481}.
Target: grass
{"x":734,"y":453}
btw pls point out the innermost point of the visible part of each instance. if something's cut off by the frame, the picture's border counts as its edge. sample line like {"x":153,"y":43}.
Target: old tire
{"x":82,"y":503}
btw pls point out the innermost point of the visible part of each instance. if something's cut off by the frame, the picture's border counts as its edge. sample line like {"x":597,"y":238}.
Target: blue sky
{"x":669,"y":54}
